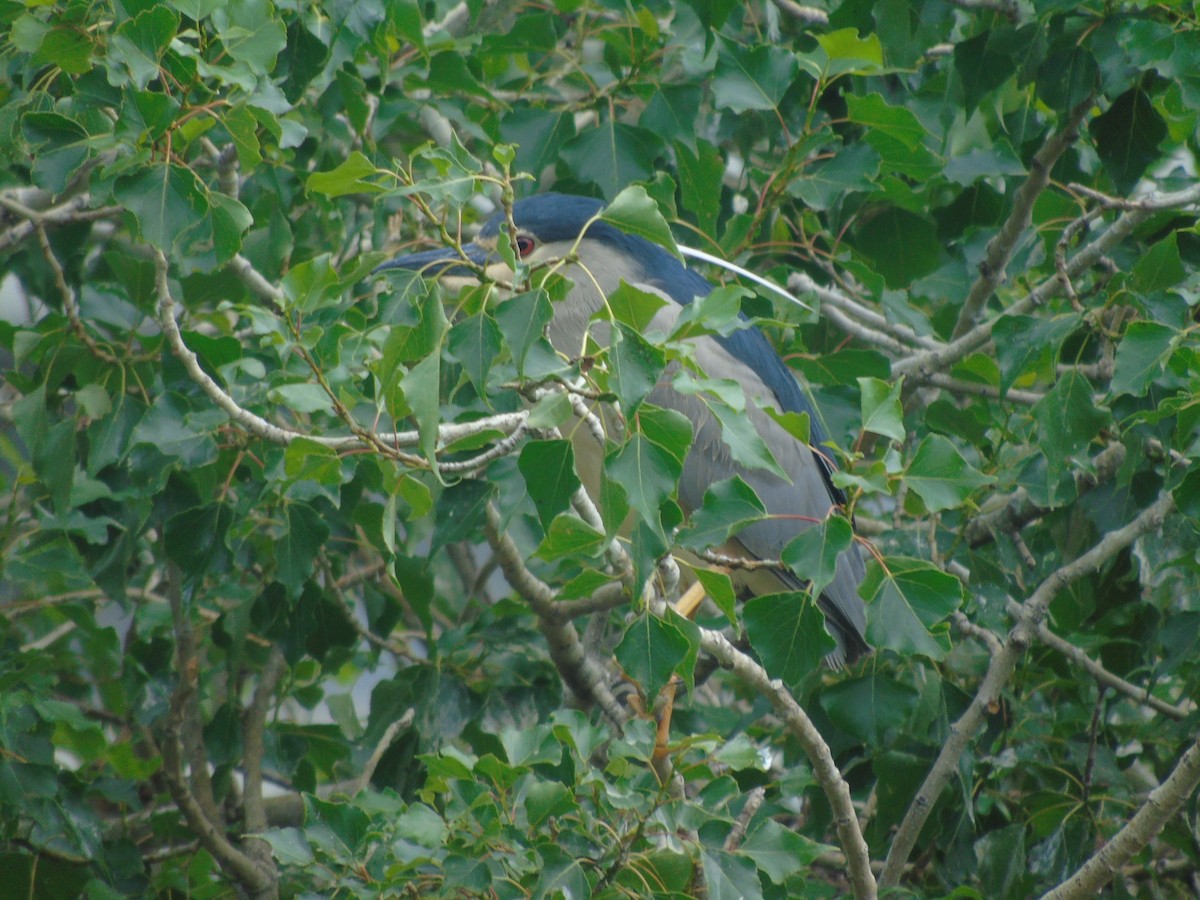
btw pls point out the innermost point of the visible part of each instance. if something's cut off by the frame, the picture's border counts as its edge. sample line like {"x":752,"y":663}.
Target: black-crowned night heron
{"x":599,"y":257}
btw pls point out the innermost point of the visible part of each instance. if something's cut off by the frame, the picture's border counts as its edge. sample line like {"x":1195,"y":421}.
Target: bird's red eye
{"x":525,"y":245}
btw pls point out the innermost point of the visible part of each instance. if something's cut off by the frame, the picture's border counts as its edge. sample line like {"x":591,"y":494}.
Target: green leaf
{"x":700,"y":174}
{"x":779,"y":851}
{"x":304,"y":533}
{"x":650,"y":652}
{"x":308,"y":285}
{"x":421,"y":387}
{"x":669,"y":429}
{"x":745,"y":444}
{"x":523,"y":320}
{"x":882,"y":411}
{"x":634,"y":366}
{"x":1159,"y":268}
{"x":251,"y":33}
{"x":612,"y":155}
{"x":288,"y":846}
{"x":985,"y":61}
{"x":900,"y":245}
{"x":632,"y":306}
{"x":61,"y":147}
{"x":549,"y":471}
{"x":539,"y":135}
{"x":671,"y":114}
{"x":1127,"y":136}
{"x":647,"y":474}
{"x":357,"y":175}
{"x":719,"y":588}
{"x":728,"y":506}
{"x":813,"y":554}
{"x":849,"y":54}
{"x":787,"y":632}
{"x":1068,"y":76}
{"x":1067,"y":420}
{"x":852,"y":169}
{"x":634,"y":212}
{"x":475,"y":343}
{"x":752,"y":78}
{"x":873,"y":709}
{"x":570,"y":536}
{"x":717,"y":312}
{"x":908,"y":599}
{"x":421,"y":825}
{"x":138,"y":44}
{"x":460,"y":511}
{"x":728,"y":876}
{"x":1026,"y":345}
{"x":167,"y":201}
{"x":940,"y":475}
{"x":1141,"y":355}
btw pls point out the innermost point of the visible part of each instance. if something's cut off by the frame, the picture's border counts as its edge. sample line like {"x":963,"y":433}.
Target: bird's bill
{"x":451,"y":268}
{"x":444,"y":262}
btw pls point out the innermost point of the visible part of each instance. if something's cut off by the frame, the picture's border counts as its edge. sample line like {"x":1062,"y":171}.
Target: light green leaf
{"x":787,"y":632}
{"x":940,"y":475}
{"x":882,"y":411}
{"x":633,"y":211}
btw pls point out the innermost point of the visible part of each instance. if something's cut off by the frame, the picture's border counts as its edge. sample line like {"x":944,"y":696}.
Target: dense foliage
{"x":294,"y":565}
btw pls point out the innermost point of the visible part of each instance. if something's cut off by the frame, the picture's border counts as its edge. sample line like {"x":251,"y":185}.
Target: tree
{"x":259,"y":500}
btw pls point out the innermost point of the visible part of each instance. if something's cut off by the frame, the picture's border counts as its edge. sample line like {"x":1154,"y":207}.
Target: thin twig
{"x":368,"y":772}
{"x":1116,"y":682}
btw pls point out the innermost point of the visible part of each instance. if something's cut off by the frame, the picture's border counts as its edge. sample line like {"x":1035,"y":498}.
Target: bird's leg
{"x":686,"y":606}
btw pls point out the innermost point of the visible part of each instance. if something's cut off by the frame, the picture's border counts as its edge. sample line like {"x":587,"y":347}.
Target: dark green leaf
{"x":728,"y":506}
{"x":813,"y":554}
{"x":1143,"y":351}
{"x":522,"y":321}
{"x":167,"y":200}
{"x":635,"y":366}
{"x":752,"y":78}
{"x":788,"y":633}
{"x":650,"y":652}
{"x":304,"y":534}
{"x":549,"y":471}
{"x":1127,"y":136}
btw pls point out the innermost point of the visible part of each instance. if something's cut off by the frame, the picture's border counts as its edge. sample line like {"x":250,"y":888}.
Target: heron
{"x":596,"y":256}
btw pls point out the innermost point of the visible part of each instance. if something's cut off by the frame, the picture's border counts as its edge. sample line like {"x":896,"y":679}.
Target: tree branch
{"x":1000,"y":248}
{"x":1105,"y":677}
{"x":999,"y":673}
{"x":1160,"y":807}
{"x":825,"y":770}
{"x":578,"y":670}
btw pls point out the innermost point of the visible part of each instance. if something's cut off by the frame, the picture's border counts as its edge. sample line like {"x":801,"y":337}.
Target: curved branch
{"x":578,"y":670}
{"x":825,"y":770}
{"x":1162,"y":804}
{"x":387,"y":443}
{"x":1105,"y":677}
{"x":999,"y":673}
{"x":1000,"y":248}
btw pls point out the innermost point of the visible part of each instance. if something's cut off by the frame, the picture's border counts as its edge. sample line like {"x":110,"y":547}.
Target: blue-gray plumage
{"x":549,"y":227}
